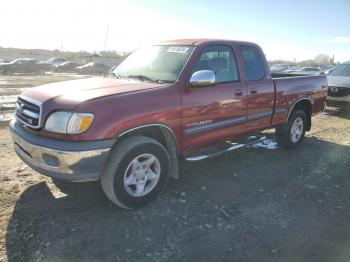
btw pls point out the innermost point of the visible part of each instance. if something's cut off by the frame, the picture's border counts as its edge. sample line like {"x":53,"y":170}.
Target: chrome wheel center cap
{"x":142,"y":173}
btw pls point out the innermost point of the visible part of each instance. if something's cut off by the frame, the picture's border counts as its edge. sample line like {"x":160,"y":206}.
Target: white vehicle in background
{"x":328,"y":70}
{"x":306,"y":71}
{"x":57,"y":60}
{"x":292,"y":69}
{"x":92,"y":68}
{"x":278,"y":68}
{"x":339,"y":85}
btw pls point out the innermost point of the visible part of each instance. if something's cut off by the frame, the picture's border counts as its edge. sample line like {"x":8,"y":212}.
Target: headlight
{"x":68,"y":122}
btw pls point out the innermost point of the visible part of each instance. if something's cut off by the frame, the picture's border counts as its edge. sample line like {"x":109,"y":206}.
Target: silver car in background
{"x":306,"y":70}
{"x":339,"y":85}
{"x":276,"y":68}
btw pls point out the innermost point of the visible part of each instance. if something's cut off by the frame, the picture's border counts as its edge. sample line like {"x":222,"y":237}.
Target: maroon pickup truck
{"x":161,"y":104}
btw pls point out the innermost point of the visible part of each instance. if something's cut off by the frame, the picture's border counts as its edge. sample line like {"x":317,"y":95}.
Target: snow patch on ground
{"x":5,"y":117}
{"x":267,"y":143}
{"x":11,"y":99}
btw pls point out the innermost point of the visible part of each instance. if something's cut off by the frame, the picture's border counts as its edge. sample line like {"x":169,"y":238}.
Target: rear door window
{"x":253,"y":62}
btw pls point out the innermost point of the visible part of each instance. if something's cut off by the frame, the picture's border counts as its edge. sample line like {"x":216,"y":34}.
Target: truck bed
{"x":290,"y":84}
{"x":291,"y":88}
{"x":284,"y":75}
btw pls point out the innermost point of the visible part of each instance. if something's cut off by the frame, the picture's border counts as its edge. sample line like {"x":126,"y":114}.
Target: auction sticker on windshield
{"x":177,"y":49}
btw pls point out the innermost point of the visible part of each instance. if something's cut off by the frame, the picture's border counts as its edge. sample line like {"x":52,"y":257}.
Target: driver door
{"x":213,"y":113}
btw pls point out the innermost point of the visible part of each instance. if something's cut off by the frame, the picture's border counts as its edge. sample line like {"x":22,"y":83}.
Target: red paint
{"x":119,"y":105}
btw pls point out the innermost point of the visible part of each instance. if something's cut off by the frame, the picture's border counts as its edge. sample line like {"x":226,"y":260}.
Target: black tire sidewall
{"x":118,"y":182}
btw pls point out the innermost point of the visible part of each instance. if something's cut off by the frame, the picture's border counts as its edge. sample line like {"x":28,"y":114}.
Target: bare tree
{"x":323,"y":59}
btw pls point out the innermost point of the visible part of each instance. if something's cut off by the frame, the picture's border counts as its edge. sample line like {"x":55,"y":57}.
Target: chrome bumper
{"x":82,"y":165}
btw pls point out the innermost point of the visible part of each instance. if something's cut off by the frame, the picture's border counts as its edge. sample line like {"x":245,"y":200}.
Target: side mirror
{"x":202,"y":78}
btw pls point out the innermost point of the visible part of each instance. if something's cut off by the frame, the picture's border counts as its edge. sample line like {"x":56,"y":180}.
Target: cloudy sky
{"x":291,"y":29}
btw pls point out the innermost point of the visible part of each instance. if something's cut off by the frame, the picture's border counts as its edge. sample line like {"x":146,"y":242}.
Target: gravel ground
{"x":254,"y":204}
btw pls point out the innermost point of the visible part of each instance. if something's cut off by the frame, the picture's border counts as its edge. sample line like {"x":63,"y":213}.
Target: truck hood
{"x":339,"y":81}
{"x":74,"y":92}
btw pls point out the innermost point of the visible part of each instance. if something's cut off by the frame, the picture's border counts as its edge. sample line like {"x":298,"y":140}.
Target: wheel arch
{"x":304,"y":104}
{"x":164,"y":135}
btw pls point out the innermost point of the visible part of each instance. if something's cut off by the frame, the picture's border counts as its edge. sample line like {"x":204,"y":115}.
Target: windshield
{"x":159,"y":63}
{"x":341,"y":70}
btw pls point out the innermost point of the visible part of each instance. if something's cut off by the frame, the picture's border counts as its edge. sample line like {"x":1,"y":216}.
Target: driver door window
{"x":219,"y":59}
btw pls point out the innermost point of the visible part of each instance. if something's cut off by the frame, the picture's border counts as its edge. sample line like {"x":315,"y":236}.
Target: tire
{"x":291,"y":134}
{"x":127,"y":171}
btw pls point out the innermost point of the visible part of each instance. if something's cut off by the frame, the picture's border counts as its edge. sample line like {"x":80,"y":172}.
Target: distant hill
{"x":43,"y":54}
{"x":110,"y":58}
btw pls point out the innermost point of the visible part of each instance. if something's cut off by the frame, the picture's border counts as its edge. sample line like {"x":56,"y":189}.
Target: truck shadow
{"x":254,"y":199}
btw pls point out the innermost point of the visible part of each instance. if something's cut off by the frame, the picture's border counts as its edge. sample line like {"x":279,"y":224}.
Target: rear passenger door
{"x":261,"y":93}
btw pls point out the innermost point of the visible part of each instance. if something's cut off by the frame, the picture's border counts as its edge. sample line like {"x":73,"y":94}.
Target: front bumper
{"x":67,"y":160}
{"x":338,"y":95}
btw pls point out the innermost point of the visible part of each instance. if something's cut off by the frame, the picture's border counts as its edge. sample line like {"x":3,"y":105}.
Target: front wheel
{"x":291,"y":134}
{"x":136,"y":172}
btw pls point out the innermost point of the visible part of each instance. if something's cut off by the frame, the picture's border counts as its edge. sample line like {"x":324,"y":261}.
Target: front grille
{"x":338,"y":91}
{"x":28,"y":112}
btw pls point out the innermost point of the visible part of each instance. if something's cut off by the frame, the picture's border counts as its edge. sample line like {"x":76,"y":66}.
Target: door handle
{"x":253,"y":91}
{"x":239,"y":92}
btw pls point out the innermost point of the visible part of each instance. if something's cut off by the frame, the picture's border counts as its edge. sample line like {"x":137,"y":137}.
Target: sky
{"x":290,"y":29}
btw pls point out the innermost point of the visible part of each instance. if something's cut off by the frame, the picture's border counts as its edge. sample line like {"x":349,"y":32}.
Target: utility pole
{"x":106,"y":37}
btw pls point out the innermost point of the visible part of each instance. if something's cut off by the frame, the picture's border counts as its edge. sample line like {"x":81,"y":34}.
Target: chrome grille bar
{"x":28,"y":112}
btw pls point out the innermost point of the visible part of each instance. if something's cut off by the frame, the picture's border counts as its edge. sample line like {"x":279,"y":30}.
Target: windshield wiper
{"x":117,"y":75}
{"x":143,"y":78}
{"x":147,"y":78}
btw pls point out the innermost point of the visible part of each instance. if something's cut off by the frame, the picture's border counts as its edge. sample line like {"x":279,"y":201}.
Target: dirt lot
{"x":250,"y":205}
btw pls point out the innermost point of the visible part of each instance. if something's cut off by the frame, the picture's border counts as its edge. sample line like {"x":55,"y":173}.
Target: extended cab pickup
{"x":163,"y":102}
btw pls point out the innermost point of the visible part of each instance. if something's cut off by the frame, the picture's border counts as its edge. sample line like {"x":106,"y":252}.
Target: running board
{"x":231,"y":146}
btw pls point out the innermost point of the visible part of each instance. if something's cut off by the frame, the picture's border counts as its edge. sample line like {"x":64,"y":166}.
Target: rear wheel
{"x":291,"y":134}
{"x":136,"y":172}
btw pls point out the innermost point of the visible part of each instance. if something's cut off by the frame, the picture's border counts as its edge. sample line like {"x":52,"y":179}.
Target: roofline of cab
{"x":202,"y":41}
